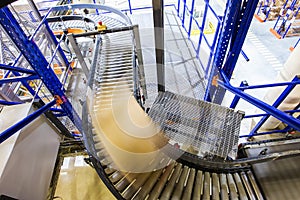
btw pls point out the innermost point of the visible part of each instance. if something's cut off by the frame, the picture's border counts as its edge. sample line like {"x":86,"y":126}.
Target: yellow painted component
{"x":101,"y":27}
{"x":210,"y":29}
{"x":72,"y":64}
{"x":76,"y":30}
{"x":57,"y":69}
{"x":195,"y":32}
{"x":1,"y":74}
{"x":70,"y":30}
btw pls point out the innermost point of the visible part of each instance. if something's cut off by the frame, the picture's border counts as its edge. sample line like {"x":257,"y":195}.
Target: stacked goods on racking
{"x":269,"y":10}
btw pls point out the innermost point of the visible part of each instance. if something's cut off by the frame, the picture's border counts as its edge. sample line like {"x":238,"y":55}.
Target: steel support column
{"x":78,"y":53}
{"x":158,"y":19}
{"x":38,"y":62}
{"x":236,"y":22}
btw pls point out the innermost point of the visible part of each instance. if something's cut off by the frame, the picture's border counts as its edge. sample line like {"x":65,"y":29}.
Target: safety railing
{"x":293,"y":123}
{"x":207,"y":26}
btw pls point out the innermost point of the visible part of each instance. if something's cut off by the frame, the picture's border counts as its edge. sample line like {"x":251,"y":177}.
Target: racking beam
{"x":21,"y":124}
{"x":17,"y":69}
{"x":38,"y":62}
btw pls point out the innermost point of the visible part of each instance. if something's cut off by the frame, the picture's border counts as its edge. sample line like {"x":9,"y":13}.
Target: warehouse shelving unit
{"x":265,"y":8}
{"x":44,"y":86}
{"x":287,"y":23}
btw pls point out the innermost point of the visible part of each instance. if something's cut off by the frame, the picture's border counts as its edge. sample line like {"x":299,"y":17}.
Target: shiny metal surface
{"x":31,"y":157}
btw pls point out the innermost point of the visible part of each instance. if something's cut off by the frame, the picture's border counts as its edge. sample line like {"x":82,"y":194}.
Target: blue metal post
{"x":296,"y":43}
{"x":279,"y":100}
{"x":97,"y":11}
{"x":129,"y":4}
{"x":246,"y":16}
{"x":191,"y":18}
{"x":284,"y":117}
{"x":38,"y":62}
{"x":183,"y":12}
{"x":223,"y":41}
{"x":202,"y":25}
{"x":235,"y":28}
{"x":245,"y":56}
{"x":17,"y":69}
{"x":237,"y":98}
{"x":21,"y":124}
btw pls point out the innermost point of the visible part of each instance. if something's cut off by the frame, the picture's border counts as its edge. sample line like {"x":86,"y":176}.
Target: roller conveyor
{"x":177,"y":180}
{"x":205,"y":135}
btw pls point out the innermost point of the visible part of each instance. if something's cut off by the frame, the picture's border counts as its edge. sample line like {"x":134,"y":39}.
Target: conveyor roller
{"x":200,"y":136}
{"x":177,"y":180}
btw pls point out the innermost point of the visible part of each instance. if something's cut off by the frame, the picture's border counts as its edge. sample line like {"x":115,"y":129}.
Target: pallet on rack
{"x":287,"y":23}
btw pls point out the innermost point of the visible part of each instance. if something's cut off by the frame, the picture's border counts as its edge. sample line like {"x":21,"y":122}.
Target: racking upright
{"x":39,"y":66}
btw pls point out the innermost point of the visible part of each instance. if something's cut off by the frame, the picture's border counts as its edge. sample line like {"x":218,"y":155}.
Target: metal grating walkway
{"x":209,"y":128}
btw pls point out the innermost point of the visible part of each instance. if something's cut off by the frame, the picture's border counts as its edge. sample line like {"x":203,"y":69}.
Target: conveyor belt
{"x":115,"y":66}
{"x":178,"y":179}
{"x":210,"y":129}
{"x":279,"y":179}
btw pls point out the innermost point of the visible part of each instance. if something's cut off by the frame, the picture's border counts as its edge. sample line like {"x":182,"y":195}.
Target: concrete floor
{"x":79,"y":181}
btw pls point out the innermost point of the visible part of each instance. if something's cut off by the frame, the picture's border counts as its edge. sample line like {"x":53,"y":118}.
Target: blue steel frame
{"x":283,"y":116}
{"x":296,"y":44}
{"x":41,"y":67}
{"x":21,"y":124}
{"x":224,"y":52}
{"x":183,"y":7}
{"x":238,"y":16}
{"x":202,"y":37}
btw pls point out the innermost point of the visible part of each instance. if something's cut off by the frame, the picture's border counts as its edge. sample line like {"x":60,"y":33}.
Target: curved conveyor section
{"x":188,"y":173}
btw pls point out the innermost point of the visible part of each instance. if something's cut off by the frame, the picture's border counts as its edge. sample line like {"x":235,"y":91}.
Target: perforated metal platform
{"x":209,"y":128}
